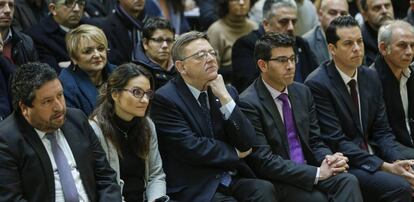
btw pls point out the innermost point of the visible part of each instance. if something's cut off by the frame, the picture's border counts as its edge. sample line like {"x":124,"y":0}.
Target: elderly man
{"x":375,"y":13}
{"x":288,"y":150}
{"x":278,"y":16}
{"x":49,"y":34}
{"x":203,"y":136}
{"x":352,"y":116}
{"x":49,"y":152}
{"x":329,"y":10}
{"x":396,"y":44}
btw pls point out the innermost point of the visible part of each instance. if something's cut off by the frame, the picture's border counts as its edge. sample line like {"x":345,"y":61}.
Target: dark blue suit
{"x":341,"y":129}
{"x":194,"y":160}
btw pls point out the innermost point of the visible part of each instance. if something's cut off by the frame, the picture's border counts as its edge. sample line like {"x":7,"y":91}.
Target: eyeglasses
{"x":202,"y":55}
{"x":169,"y":41}
{"x":72,"y":3}
{"x":284,"y":60}
{"x":139,"y":93}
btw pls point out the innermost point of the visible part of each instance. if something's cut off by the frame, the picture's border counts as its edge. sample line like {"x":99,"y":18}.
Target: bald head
{"x":331,"y":9}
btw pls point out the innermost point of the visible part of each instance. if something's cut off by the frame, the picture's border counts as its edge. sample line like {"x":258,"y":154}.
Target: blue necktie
{"x":70,"y":193}
{"x":295,"y":149}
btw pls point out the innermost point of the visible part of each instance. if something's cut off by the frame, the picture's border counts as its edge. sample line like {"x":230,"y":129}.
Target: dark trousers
{"x":244,"y":189}
{"x":382,"y":186}
{"x":342,"y":187}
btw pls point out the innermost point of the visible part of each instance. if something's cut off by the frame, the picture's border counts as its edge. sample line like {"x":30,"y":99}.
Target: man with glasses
{"x":279,"y":16}
{"x":49,"y":34}
{"x":288,"y":150}
{"x":158,"y":37}
{"x":203,"y":136}
{"x":352,"y":116}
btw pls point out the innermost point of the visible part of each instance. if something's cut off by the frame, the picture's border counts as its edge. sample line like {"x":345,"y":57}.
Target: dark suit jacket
{"x":49,"y":40}
{"x":6,"y":71}
{"x":317,"y":43}
{"x":270,"y":159}
{"x":339,"y":121}
{"x":26,"y":172}
{"x":370,"y":43}
{"x":393,"y":101}
{"x":193,"y":160}
{"x":245,"y":70}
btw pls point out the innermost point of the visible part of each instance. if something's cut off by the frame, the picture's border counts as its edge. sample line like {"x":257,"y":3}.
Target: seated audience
{"x":87,"y":47}
{"x":288,"y":150}
{"x":203,"y":135}
{"x":279,"y":16}
{"x":396,"y":44}
{"x":49,"y":34}
{"x":232,"y":25}
{"x":128,"y":135}
{"x":157,"y":40}
{"x":329,"y":10}
{"x":123,"y":28}
{"x":49,"y":152}
{"x":352,"y":116}
{"x":28,"y":13}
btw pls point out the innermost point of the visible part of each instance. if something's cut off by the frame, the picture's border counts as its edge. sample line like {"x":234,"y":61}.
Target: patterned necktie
{"x":70,"y":192}
{"x":295,"y":148}
{"x":202,"y":98}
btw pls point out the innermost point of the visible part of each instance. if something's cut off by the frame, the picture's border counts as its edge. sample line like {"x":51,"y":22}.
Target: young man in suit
{"x":395,"y":44}
{"x":203,"y":136}
{"x":288,"y":150}
{"x":49,"y":152}
{"x":352,"y":116}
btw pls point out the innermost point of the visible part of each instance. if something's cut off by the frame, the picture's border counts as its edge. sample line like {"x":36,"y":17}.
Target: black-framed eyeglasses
{"x":284,"y":59}
{"x":72,"y":3}
{"x":202,"y":55}
{"x":160,"y":40}
{"x":139,"y":93}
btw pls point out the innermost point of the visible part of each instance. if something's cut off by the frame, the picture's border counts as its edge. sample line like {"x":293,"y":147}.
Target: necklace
{"x":124,"y":133}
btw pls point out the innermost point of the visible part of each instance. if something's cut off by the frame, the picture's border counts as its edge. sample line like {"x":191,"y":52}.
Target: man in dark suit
{"x":396,"y":41}
{"x":47,"y":152}
{"x":288,"y":150}
{"x":375,"y":13}
{"x":49,"y":34}
{"x":203,"y":136}
{"x":123,"y":29}
{"x":329,"y":10}
{"x":352,"y":116}
{"x":278,"y":16}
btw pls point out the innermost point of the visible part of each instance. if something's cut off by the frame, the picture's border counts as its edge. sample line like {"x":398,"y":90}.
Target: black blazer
{"x":369,"y":36}
{"x":393,"y":101}
{"x":26,"y":172}
{"x":193,"y":160}
{"x":339,"y":121}
{"x":270,"y":159}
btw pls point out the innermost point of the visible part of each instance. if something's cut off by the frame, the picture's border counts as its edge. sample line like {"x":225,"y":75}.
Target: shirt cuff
{"x":227,"y":109}
{"x":317,"y":177}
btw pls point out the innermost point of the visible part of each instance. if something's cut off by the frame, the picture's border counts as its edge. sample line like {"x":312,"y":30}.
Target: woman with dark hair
{"x":233,"y":24}
{"x":128,"y":135}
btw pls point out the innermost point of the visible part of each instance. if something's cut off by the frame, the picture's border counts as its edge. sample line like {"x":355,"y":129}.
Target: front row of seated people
{"x":280,"y":141}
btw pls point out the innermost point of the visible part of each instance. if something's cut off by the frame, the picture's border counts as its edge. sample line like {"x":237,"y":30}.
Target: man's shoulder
{"x":249,"y":39}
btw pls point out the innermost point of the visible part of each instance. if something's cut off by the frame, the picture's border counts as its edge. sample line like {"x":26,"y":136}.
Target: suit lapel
{"x":86,"y":87}
{"x":363,"y":93}
{"x":271,"y":108}
{"x":341,"y":88}
{"x":297,"y":109}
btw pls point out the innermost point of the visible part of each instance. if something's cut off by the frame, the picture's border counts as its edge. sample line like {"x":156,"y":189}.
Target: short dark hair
{"x":182,"y":42}
{"x":339,"y":22}
{"x":154,"y":23}
{"x":264,"y":46}
{"x":27,"y":79}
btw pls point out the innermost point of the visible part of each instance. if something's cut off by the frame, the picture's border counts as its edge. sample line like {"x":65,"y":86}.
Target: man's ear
{"x":179,"y":65}
{"x":265,"y":24}
{"x":262,"y":65}
{"x":331,"y":49}
{"x":145,"y":44}
{"x":52,"y":8}
{"x":383,"y":49}
{"x":24,"y":109}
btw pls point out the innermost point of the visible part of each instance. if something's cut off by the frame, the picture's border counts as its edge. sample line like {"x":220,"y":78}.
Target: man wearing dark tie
{"x":49,"y":152}
{"x":352,"y":116}
{"x":288,"y":150}
{"x":395,"y":44}
{"x":203,"y":136}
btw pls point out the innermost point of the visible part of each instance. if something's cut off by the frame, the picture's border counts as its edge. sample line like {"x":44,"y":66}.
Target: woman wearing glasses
{"x":128,"y":135}
{"x":87,"y":47}
{"x":158,"y":37}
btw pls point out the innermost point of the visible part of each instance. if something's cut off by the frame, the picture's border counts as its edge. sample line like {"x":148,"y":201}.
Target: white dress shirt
{"x":404,"y":96}
{"x":60,"y":138}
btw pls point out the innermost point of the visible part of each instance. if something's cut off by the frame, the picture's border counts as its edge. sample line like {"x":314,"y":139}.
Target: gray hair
{"x":270,"y":6}
{"x":182,"y":42}
{"x":386,"y":31}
